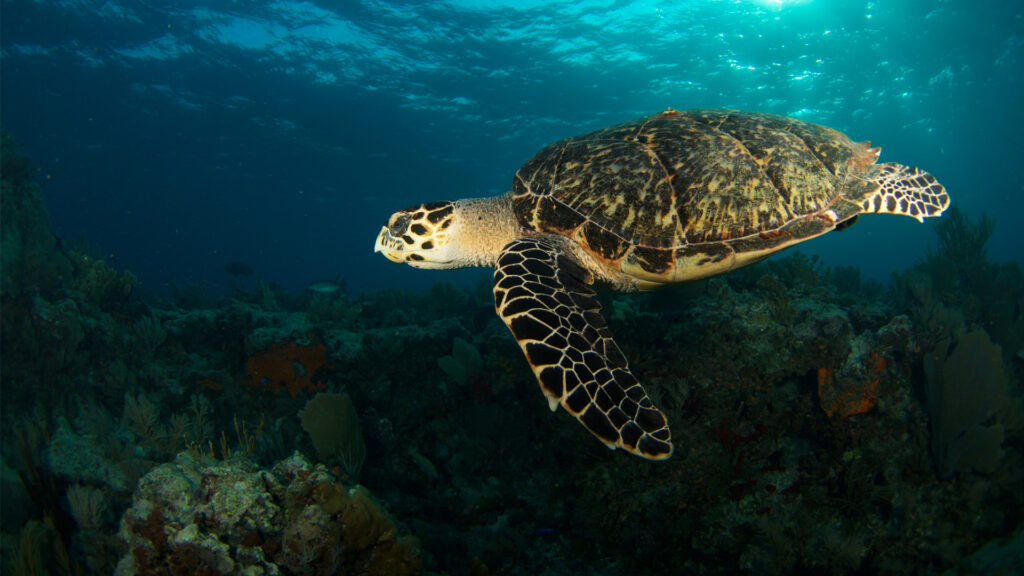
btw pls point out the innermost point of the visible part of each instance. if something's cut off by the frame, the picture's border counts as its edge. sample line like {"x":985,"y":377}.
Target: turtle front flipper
{"x":544,"y":297}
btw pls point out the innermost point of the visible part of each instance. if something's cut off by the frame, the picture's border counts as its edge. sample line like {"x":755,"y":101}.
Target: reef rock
{"x":233,"y":518}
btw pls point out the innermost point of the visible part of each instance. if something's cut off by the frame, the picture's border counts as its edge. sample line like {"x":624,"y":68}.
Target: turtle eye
{"x":399,"y":225}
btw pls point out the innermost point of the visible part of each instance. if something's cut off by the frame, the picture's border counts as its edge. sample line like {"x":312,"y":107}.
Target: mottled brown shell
{"x":694,"y":187}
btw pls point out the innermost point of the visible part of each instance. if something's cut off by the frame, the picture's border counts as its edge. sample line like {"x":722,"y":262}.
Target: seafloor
{"x":822,"y":425}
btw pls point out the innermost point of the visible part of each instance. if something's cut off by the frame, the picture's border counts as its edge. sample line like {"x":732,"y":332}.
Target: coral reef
{"x":853,"y":388}
{"x":965,"y":391}
{"x":32,"y":259}
{"x":811,"y":411}
{"x":333,"y":426}
{"x":232,"y":518}
{"x":463,"y":364}
{"x":957,"y":287}
{"x":290,"y":365}
{"x":80,"y":459}
{"x":100,"y":283}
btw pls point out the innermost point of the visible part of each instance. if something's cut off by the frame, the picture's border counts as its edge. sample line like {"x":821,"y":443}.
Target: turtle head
{"x":421,"y":236}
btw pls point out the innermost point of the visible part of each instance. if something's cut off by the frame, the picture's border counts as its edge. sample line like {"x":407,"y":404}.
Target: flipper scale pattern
{"x":545,"y":299}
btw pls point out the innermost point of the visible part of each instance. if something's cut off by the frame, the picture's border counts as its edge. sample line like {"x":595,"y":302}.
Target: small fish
{"x":424,"y":464}
{"x":324,"y":287}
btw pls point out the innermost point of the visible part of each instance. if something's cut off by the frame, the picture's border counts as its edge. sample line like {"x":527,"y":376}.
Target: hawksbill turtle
{"x":667,"y":198}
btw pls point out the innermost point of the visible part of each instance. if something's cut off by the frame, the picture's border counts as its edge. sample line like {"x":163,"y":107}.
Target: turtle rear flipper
{"x":908,"y":191}
{"x":544,"y":297}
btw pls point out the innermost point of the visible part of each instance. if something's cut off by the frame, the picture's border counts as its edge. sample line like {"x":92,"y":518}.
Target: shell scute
{"x":652,"y":261}
{"x":608,"y":245}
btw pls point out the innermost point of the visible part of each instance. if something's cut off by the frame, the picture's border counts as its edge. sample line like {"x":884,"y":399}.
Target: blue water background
{"x":175,"y":137}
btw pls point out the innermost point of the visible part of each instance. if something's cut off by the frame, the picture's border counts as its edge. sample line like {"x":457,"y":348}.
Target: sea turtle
{"x":667,"y":198}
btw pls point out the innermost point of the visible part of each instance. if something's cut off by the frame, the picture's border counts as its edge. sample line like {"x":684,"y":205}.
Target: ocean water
{"x":175,"y":137}
{"x":187,"y":389}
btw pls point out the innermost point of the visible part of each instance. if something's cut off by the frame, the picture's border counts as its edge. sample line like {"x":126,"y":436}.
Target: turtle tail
{"x":906,"y":190}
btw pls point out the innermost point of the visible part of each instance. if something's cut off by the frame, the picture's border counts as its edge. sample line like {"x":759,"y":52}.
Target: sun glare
{"x":779,"y":4}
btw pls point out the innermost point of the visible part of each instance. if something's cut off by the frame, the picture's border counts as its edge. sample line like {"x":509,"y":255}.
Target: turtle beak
{"x":390,"y":246}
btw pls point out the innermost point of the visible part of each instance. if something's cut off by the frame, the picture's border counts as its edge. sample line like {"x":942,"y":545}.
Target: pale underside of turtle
{"x":666,"y":198}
